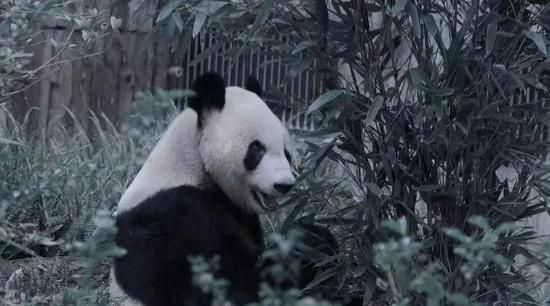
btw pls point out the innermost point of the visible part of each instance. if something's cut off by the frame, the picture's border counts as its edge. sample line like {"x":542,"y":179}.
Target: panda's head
{"x":244,"y":147}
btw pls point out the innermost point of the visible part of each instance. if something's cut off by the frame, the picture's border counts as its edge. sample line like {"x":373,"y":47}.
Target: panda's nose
{"x":283,"y":188}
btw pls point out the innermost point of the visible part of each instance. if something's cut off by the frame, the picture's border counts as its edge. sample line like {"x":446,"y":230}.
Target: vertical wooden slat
{"x":209,"y":59}
{"x":250,"y":69}
{"x":127,"y":74}
{"x":45,"y":85}
{"x":61,"y":87}
{"x":242,"y":71}
{"x":161,"y":63}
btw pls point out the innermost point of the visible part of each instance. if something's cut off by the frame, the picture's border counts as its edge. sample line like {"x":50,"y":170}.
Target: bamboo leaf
{"x":374,"y":110}
{"x":263,"y":14}
{"x":398,"y":226}
{"x":457,"y":234}
{"x":205,"y":9}
{"x":415,"y":20}
{"x":207,"y":53}
{"x":321,"y":12}
{"x":324,"y":99}
{"x":178,"y":21}
{"x":418,"y":77}
{"x":490,"y":37}
{"x":479,"y":222}
{"x":299,"y":67}
{"x":399,"y":7}
{"x":469,"y":19}
{"x":200,"y":19}
{"x":296,"y":210}
{"x":431,"y":26}
{"x":166,"y":10}
{"x":303,"y":45}
{"x":538,"y":39}
{"x":181,"y":93}
{"x":373,"y":187}
{"x":321,"y":154}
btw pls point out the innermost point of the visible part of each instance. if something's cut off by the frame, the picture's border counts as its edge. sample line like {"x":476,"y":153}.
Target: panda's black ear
{"x":209,"y":91}
{"x":253,"y":85}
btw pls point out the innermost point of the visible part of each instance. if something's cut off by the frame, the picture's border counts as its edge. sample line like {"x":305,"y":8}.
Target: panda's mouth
{"x":266,"y":201}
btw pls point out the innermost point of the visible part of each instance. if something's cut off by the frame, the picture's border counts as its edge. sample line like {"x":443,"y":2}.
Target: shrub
{"x":436,"y":114}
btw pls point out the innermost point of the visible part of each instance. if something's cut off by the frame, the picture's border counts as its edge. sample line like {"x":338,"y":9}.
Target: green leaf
{"x":166,"y":10}
{"x":181,"y":93}
{"x":205,"y":8}
{"x":467,"y":23}
{"x":324,"y":99}
{"x":500,"y":67}
{"x":299,"y":67}
{"x":399,"y":6}
{"x":480,"y":222}
{"x":263,"y":14}
{"x":534,"y":82}
{"x":457,"y":234}
{"x":178,"y":21}
{"x":538,"y":39}
{"x":398,"y":226}
{"x":321,"y":154}
{"x":373,"y":187}
{"x":458,"y":299}
{"x":135,"y":5}
{"x":321,"y":12}
{"x":303,"y":45}
{"x":415,"y":20}
{"x":54,"y":44}
{"x":296,"y":210}
{"x":213,"y":7}
{"x":5,"y":141}
{"x":418,"y":77}
{"x":200,"y":19}
{"x":506,"y":227}
{"x":206,"y":53}
{"x":429,"y":21}
{"x":374,"y":110}
{"x":490,"y":37}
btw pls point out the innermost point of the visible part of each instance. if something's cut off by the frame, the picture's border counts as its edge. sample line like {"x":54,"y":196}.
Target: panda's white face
{"x":245,"y":149}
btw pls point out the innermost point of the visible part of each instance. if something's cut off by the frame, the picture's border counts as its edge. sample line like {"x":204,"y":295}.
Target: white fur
{"x":174,"y":161}
{"x":224,"y":142}
{"x":178,"y":157}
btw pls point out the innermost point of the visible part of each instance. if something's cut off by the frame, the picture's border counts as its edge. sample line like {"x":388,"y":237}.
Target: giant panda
{"x":221,"y":161}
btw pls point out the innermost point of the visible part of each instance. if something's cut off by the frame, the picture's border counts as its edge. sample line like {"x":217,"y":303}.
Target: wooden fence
{"x":104,"y":76}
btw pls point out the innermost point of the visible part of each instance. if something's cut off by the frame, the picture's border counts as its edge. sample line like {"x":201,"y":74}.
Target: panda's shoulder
{"x":182,"y":201}
{"x":176,"y":216}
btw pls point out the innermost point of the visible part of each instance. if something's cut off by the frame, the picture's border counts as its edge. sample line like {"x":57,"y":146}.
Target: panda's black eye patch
{"x":254,"y":155}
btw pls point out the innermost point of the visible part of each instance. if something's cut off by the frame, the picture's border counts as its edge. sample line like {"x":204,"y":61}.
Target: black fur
{"x":254,"y":155}
{"x":161,"y":232}
{"x":209,"y":91}
{"x":253,"y":85}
